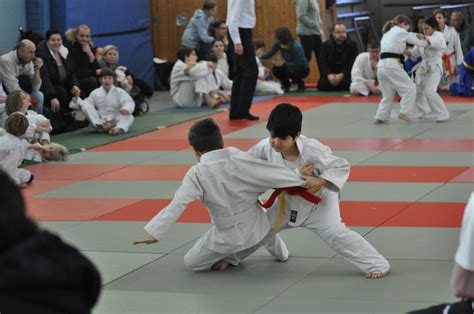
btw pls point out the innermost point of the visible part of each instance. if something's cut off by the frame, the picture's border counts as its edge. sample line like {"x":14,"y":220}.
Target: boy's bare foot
{"x":115,"y":131}
{"x":376,"y":275}
{"x":404,"y":117}
{"x":106,"y":126}
{"x":221,"y":265}
{"x":378,"y":121}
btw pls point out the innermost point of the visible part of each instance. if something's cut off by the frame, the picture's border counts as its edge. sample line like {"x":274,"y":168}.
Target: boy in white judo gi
{"x":228,"y":181}
{"x":428,"y":73}
{"x":13,"y":149}
{"x":287,"y":147}
{"x":108,"y":108}
{"x":216,"y":86}
{"x":390,"y":72}
{"x":364,"y":71}
{"x":186,"y":71}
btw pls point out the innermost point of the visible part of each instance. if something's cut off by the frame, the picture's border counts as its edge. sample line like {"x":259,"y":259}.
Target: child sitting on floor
{"x":108,"y":108}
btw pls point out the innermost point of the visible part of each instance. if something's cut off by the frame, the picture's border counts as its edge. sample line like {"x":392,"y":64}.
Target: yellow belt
{"x":281,"y":212}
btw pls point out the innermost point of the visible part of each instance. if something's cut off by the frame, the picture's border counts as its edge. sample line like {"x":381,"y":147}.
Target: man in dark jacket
{"x":336,"y":60}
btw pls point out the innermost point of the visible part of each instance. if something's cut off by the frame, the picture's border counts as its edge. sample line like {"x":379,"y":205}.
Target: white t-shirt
{"x":465,"y":253}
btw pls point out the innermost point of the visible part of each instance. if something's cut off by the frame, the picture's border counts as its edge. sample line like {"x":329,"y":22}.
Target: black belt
{"x":386,"y":55}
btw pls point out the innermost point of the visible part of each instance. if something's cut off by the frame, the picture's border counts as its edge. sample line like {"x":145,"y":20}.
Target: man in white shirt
{"x":228,"y":181}
{"x":241,"y":19}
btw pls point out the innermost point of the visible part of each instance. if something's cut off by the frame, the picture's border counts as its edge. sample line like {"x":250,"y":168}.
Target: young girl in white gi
{"x":108,"y":108}
{"x":364,"y":71}
{"x":13,"y":149}
{"x":390,"y":73}
{"x":216,"y":86}
{"x":186,"y":71}
{"x":452,"y":54}
{"x":39,"y":126}
{"x":228,"y":181}
{"x":218,"y":48}
{"x":429,"y":72}
{"x":38,"y":130}
{"x":286,"y":146}
{"x":264,"y":86}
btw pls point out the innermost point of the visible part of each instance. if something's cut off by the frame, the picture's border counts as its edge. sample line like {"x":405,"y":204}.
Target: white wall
{"x":12,"y":15}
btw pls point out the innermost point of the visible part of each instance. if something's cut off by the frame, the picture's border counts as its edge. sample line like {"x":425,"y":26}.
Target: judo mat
{"x":406,"y":194}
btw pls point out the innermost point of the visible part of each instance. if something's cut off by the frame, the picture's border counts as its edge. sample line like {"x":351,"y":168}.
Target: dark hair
{"x":214,"y":26}
{"x":205,"y":136}
{"x":431,"y":21}
{"x":284,"y":35}
{"x":440,"y":11}
{"x":15,"y":226}
{"x":208,"y":5}
{"x":107,"y":72}
{"x":285,"y":120}
{"x":373,"y":44}
{"x":184,"y":52}
{"x":330,"y":3}
{"x":217,"y":40}
{"x":259,"y":44}
{"x":211,"y":57}
{"x":16,"y":124}
{"x":417,"y":20}
{"x":51,"y":32}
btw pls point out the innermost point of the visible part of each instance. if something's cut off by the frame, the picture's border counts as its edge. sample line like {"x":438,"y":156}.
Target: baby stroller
{"x":140,"y":94}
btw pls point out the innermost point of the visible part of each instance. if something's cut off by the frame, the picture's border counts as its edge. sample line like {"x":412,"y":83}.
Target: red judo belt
{"x":297,"y":190}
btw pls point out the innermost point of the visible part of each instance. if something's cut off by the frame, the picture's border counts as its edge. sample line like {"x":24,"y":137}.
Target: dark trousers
{"x":87,"y":85}
{"x":325,"y":85}
{"x":245,"y":75}
{"x":61,"y":121}
{"x":311,"y":43}
{"x":295,"y":73}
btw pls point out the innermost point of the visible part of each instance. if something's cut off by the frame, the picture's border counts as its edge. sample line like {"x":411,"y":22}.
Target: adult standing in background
{"x":196,"y":34}
{"x":329,"y":18}
{"x":308,"y":27}
{"x":464,"y":30}
{"x":241,"y":19}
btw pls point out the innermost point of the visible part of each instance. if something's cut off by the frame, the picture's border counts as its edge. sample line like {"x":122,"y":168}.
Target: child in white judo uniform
{"x":216,"y":86}
{"x":390,"y":72}
{"x":287,"y":147}
{"x":228,"y":181}
{"x":364,"y":71}
{"x":186,"y":71}
{"x":108,"y":108}
{"x":13,"y":149}
{"x":38,"y":130}
{"x":39,"y":126}
{"x":452,"y":54}
{"x":428,"y":73}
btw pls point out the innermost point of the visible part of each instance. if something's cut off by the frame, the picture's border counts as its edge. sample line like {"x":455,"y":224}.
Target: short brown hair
{"x":440,"y":11}
{"x":16,"y":124}
{"x":13,"y":102}
{"x":208,"y":5}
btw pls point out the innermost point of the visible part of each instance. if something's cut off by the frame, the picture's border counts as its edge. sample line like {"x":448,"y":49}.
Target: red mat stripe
{"x":177,"y":173}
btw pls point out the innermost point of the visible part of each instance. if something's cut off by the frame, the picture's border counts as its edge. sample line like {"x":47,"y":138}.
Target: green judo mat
{"x":315,"y":92}
{"x":89,"y":138}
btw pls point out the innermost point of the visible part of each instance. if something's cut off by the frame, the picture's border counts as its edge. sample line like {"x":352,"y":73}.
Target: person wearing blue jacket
{"x":196,"y":34}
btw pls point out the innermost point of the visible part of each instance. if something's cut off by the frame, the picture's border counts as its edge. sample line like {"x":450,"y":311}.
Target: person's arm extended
{"x":271,"y":52}
{"x":189,"y":191}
